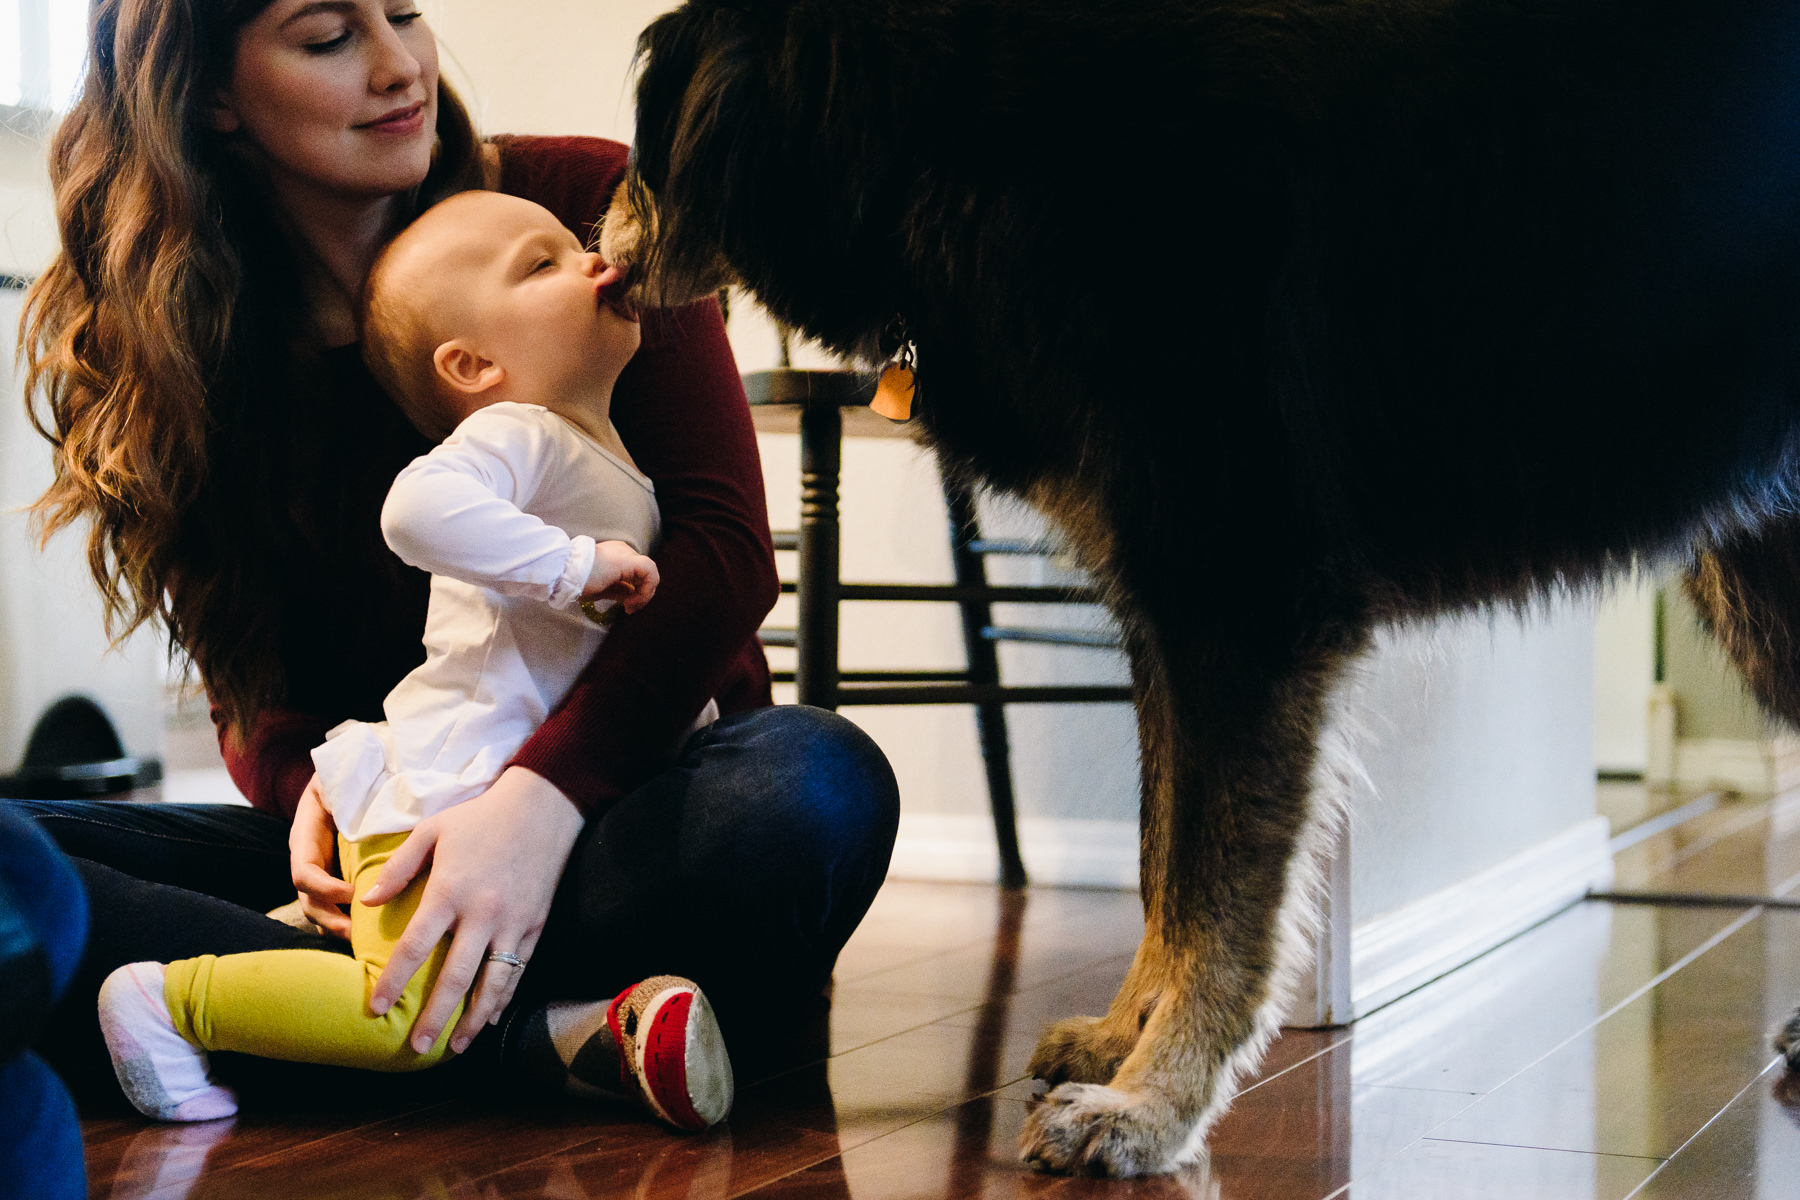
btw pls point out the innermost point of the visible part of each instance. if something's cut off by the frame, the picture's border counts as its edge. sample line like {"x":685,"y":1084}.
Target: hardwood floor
{"x":1616,"y":1050}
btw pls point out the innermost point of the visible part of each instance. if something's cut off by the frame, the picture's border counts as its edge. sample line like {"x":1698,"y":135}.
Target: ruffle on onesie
{"x":367,"y":793}
{"x":569,"y":586}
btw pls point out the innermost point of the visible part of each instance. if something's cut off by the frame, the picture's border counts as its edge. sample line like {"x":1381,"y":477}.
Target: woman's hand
{"x":312,"y":856}
{"x":495,"y":862}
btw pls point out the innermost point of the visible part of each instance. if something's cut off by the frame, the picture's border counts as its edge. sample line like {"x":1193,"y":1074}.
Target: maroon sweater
{"x":679,"y":406}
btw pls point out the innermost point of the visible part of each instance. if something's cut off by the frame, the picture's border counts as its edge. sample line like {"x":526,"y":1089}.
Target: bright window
{"x":42,"y":46}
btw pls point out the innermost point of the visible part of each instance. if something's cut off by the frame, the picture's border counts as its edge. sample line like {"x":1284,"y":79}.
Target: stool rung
{"x":983,"y":693}
{"x":953,"y":593}
{"x":789,"y":539}
{"x":1104,"y":639}
{"x":1038,"y":547}
{"x":847,"y":677}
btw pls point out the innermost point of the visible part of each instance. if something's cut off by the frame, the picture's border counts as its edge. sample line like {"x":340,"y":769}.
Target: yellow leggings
{"x":313,"y":1005}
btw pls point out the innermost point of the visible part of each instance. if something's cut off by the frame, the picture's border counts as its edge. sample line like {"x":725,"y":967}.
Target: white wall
{"x":1477,"y":747}
{"x":1711,"y":699}
{"x":51,"y":642}
{"x":1624,"y":669}
{"x":27,"y":219}
{"x":1722,"y":738}
{"x":550,"y":66}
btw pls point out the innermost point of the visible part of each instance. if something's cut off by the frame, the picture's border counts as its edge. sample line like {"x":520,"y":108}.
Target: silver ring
{"x":501,"y":956}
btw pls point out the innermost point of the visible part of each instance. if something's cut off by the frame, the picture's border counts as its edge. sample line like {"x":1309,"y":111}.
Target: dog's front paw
{"x":1080,"y":1050}
{"x":1087,"y":1129}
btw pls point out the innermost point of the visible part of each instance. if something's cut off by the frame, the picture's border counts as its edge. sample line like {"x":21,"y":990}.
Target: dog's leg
{"x":1747,"y":592}
{"x":1090,"y":1049}
{"x":1239,"y":807}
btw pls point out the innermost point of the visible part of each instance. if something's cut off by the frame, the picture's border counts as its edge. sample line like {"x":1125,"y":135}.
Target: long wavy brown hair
{"x":174,"y":277}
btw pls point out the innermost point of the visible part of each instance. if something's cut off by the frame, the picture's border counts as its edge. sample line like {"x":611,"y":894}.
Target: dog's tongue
{"x":614,"y":282}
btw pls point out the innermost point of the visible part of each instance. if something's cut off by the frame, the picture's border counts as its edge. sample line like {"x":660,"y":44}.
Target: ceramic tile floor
{"x":1616,"y":1050}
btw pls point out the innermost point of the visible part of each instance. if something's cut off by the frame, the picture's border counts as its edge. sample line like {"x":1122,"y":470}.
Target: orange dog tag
{"x":893,"y":396}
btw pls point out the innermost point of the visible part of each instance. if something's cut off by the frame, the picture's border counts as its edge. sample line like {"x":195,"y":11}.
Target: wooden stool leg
{"x":984,"y":668}
{"x":816,"y":637}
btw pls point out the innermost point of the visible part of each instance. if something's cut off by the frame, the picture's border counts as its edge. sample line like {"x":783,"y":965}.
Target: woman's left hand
{"x":495,"y":862}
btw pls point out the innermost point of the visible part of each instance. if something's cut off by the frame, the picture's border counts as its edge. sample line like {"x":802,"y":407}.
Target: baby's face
{"x":514,"y":282}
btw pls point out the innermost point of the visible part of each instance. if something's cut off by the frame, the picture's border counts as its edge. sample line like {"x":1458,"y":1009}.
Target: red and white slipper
{"x":671,"y":1053}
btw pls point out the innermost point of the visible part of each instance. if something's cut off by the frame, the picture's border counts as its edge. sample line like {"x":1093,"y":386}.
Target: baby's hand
{"x":621,"y":573}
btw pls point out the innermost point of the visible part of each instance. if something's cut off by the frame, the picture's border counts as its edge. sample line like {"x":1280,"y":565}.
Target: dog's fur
{"x":1296,"y":316}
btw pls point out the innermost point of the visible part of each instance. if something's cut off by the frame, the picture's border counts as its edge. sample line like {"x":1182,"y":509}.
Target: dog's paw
{"x":1080,"y":1050}
{"x":1087,"y":1129}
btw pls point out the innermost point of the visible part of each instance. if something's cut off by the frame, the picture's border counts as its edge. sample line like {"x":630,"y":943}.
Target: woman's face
{"x":339,"y":95}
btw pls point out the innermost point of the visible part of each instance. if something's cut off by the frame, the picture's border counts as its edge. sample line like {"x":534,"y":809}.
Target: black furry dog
{"x":1297,"y":316}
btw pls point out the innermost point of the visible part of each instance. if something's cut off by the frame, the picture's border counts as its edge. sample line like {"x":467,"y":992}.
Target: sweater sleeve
{"x":271,"y":762}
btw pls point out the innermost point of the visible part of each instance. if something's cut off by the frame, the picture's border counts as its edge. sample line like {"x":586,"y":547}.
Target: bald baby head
{"x":412,"y":304}
{"x":489,"y":297}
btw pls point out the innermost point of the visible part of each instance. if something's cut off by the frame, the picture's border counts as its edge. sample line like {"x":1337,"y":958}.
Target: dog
{"x":1296,"y":317}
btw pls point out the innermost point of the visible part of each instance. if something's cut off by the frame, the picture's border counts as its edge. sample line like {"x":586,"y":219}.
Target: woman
{"x":226,"y":178}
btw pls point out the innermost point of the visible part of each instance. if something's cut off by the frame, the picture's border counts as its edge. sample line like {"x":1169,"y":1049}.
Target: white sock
{"x":163,"y":1075}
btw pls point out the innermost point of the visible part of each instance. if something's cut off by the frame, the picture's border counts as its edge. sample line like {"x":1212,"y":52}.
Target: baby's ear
{"x":465,"y":369}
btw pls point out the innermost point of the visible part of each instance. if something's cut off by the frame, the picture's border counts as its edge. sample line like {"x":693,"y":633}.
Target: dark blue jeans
{"x":43,"y":920}
{"x":745,"y":866}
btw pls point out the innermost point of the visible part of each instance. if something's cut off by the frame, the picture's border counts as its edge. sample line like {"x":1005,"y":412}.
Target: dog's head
{"x":771,"y":151}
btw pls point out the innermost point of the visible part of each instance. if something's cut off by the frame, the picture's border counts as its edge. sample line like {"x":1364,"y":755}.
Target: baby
{"x":487,"y":321}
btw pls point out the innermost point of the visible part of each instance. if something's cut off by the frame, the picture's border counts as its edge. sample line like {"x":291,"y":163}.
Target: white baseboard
{"x":1737,"y":764}
{"x":1395,"y":953}
{"x":1057,"y":852}
{"x":1389,"y":956}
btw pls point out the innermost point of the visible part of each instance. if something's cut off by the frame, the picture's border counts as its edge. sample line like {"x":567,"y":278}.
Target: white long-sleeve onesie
{"x":486,"y":513}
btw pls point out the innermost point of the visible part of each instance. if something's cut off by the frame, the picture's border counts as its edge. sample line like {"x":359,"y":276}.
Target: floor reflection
{"x":975,"y":1119}
{"x":166,"y":1160}
{"x":1612,"y":1051}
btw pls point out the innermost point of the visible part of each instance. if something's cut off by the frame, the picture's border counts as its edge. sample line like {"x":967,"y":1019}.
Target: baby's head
{"x":489,"y":297}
